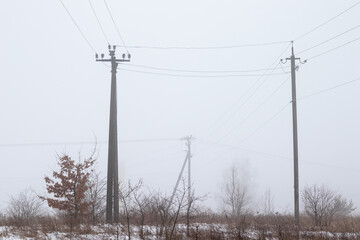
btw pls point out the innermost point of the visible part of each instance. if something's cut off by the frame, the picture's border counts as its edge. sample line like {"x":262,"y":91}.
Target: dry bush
{"x":213,"y":232}
{"x":24,"y":209}
{"x":27,"y":232}
{"x":96,"y":195}
{"x":2,"y":219}
{"x":236,"y":194}
{"x":345,"y":224}
{"x":210,"y":217}
{"x":50,"y":224}
{"x":5,"y":232}
{"x":323,"y":205}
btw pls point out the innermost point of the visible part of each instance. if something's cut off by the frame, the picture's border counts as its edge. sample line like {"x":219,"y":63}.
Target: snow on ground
{"x":113,"y":232}
{"x":98,"y":233}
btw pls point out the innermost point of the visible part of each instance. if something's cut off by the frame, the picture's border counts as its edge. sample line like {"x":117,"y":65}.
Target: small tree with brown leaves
{"x":69,"y":186}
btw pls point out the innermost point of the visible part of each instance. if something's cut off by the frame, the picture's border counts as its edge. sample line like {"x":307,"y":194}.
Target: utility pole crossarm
{"x":122,"y":60}
{"x":103,"y":60}
{"x":112,"y":55}
{"x":109,"y":60}
{"x":291,"y":58}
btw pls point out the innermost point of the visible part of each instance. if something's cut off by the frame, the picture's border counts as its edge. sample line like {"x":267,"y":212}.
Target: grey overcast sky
{"x":53,"y":91}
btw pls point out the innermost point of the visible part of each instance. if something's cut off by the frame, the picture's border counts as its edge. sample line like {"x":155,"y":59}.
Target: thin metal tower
{"x":112,"y":195}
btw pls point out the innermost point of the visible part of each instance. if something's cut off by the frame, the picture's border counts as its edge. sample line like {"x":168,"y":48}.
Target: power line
{"x":319,"y":44}
{"x":326,"y":22}
{"x":256,"y":109}
{"x":201,"y":76}
{"x":160,"y":151}
{"x":328,"y":89}
{"x":242,"y":149}
{"x":150,"y":140}
{"x":202,"y":71}
{"x":249,"y":97}
{"x":276,"y":114}
{"x":77,"y":26}
{"x":102,"y":30}
{"x":265,"y":123}
{"x":87,"y":142}
{"x":48,"y":143}
{"x":238,"y":45}
{"x":232,"y":148}
{"x":117,"y":29}
{"x":206,"y":48}
{"x":333,"y":49}
{"x":242,"y":105}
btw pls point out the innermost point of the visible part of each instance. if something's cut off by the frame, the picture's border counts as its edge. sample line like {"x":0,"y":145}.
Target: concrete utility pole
{"x":295,"y":137}
{"x":188,"y":140}
{"x":187,"y":160}
{"x":112,"y":195}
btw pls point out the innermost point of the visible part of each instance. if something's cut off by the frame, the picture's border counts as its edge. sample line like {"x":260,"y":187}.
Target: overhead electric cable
{"x":102,"y":30}
{"x":149,"y":140}
{"x":265,"y":123}
{"x":276,"y":114}
{"x":328,"y":89}
{"x":117,"y":29}
{"x":326,"y":22}
{"x":202,"y":71}
{"x":284,"y":158}
{"x":206,"y":48}
{"x":241,"y":105}
{"x":242,"y":149}
{"x":232,"y":148}
{"x":333,"y":49}
{"x":307,"y":49}
{"x":77,"y":26}
{"x":255,"y":110}
{"x":248,"y":91}
{"x":201,"y":76}
{"x":167,"y":148}
{"x":88,"y":142}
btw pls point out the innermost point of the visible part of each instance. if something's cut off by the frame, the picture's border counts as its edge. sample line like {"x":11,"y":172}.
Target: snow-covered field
{"x":108,"y":232}
{"x":95,"y":232}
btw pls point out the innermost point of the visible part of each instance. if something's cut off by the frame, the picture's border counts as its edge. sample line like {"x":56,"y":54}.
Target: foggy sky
{"x":53,"y":91}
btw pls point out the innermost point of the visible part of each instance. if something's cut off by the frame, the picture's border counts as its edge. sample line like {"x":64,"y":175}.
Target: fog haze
{"x":54,"y":96}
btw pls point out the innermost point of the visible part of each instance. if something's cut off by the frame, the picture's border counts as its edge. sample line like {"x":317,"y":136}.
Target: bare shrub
{"x":24,"y":209}
{"x":126,"y":193}
{"x":96,"y":195}
{"x":236,"y":191}
{"x":141,"y":210}
{"x":193,"y":209}
{"x":323,"y":204}
{"x":2,"y":218}
{"x":210,"y":232}
{"x":268,"y":203}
